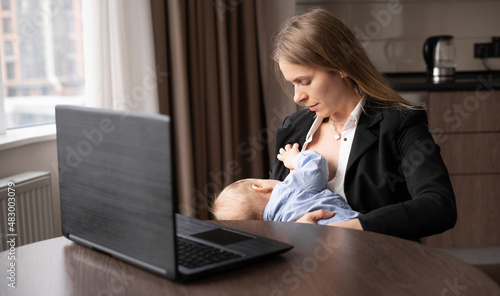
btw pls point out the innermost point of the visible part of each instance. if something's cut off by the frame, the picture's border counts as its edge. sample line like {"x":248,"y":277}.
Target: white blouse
{"x":348,"y":131}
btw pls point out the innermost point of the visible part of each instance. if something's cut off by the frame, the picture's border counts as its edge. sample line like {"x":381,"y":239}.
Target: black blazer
{"x":395,"y":174}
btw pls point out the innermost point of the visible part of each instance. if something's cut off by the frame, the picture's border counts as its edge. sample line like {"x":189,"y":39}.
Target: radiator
{"x":34,"y":219}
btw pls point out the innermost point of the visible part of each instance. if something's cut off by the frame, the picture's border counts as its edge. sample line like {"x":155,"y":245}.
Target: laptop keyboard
{"x":192,"y":254}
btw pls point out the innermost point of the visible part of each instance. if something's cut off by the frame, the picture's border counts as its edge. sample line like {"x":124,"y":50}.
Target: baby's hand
{"x":287,"y":154}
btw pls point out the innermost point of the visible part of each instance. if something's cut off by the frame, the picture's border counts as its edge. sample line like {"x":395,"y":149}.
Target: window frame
{"x":23,"y":133}
{"x":9,"y":90}
{"x":3,"y":122}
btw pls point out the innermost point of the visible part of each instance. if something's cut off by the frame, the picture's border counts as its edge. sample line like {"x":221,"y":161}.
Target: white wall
{"x":394,"y":31}
{"x":41,"y":156}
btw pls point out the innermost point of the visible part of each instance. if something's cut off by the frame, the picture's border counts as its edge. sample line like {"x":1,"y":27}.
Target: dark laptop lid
{"x":103,"y":154}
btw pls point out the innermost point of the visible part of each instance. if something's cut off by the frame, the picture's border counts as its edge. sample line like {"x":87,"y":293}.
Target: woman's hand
{"x":353,"y":224}
{"x":314,"y":216}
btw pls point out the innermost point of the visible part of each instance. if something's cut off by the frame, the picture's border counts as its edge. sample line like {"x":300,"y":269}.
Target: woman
{"x":382,"y":158}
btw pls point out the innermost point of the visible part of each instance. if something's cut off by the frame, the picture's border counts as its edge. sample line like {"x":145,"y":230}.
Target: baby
{"x":304,"y":190}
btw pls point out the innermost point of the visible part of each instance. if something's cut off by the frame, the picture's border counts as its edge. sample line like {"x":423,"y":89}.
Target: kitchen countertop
{"x":463,"y":81}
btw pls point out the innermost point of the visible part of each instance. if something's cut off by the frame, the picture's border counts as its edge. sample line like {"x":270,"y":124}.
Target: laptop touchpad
{"x":222,"y":237}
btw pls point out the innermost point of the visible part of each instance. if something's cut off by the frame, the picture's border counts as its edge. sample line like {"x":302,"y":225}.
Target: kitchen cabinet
{"x":466,"y":125}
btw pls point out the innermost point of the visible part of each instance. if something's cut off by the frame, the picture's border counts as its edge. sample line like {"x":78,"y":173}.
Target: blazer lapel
{"x":366,"y":135}
{"x":295,"y":131}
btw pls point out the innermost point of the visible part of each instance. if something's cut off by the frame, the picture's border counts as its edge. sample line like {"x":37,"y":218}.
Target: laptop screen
{"x":116,"y":182}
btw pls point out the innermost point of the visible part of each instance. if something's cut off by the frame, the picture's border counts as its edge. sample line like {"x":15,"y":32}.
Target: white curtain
{"x":120,"y":70}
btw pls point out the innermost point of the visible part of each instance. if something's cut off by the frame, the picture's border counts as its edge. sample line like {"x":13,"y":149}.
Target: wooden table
{"x":325,"y":261}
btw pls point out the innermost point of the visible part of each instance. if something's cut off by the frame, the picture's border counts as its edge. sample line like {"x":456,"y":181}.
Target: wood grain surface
{"x":325,"y":261}
{"x":466,"y":126}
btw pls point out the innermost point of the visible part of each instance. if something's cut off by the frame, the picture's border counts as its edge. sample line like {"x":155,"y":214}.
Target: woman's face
{"x":325,"y":93}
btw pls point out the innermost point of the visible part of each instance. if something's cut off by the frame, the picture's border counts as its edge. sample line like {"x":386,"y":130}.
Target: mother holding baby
{"x":381,"y":156}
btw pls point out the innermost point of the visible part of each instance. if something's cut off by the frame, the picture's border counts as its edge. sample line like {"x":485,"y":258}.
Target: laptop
{"x":118,"y":197}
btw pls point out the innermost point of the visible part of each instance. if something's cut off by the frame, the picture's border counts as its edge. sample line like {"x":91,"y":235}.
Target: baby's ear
{"x":262,"y":189}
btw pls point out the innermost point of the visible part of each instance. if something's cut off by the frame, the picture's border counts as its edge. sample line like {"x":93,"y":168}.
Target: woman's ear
{"x":262,"y":189}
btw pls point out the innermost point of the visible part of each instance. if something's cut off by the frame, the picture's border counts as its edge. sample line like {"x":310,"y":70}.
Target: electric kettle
{"x":439,"y":55}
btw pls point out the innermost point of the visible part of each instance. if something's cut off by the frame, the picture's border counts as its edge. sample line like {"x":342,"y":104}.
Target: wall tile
{"x":472,"y":19}
{"x":398,"y":21}
{"x":394,"y":40}
{"x":327,"y":2}
{"x":465,"y":56}
{"x":396,"y":55}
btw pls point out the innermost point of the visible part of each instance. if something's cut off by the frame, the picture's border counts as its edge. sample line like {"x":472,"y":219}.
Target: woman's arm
{"x":414,"y":189}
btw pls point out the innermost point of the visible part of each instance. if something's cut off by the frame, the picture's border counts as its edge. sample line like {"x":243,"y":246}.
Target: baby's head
{"x":245,"y":199}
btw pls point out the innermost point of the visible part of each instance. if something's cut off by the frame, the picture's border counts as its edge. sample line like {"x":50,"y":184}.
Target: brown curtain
{"x":209,"y":83}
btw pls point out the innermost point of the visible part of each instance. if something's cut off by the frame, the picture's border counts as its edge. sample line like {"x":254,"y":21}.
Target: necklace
{"x":337,"y":134}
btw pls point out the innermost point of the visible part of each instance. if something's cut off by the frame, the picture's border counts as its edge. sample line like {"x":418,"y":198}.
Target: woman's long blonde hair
{"x":317,"y":39}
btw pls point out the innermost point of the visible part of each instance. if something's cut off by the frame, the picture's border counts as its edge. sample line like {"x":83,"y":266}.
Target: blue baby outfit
{"x":305,"y":191}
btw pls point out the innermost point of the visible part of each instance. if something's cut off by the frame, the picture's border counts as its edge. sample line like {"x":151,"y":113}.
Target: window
{"x":8,"y":49}
{"x":11,"y":92}
{"x":5,"y":4}
{"x":7,"y":25}
{"x":11,"y":70}
{"x":42,"y":62}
